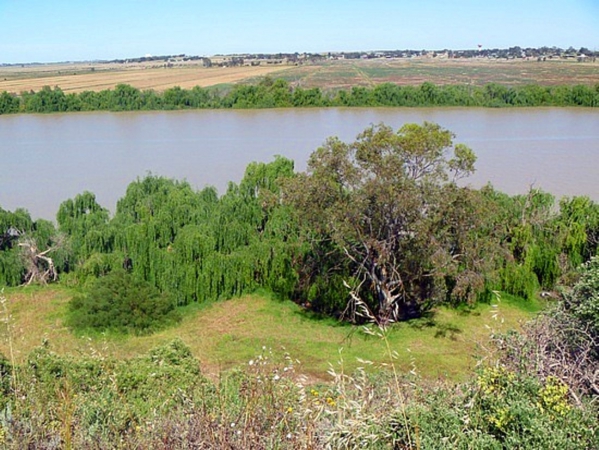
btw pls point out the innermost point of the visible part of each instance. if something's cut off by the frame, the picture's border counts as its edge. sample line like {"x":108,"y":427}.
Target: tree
{"x":40,"y":266}
{"x":377,"y":206}
{"x":85,"y":222}
{"x":9,"y":103}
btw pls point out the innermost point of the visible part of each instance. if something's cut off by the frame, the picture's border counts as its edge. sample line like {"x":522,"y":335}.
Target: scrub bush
{"x":123,"y":303}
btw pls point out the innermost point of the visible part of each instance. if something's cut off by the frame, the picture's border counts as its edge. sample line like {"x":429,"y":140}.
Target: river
{"x":46,"y":159}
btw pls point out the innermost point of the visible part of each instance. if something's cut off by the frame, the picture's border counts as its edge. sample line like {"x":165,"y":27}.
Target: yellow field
{"x":80,"y":77}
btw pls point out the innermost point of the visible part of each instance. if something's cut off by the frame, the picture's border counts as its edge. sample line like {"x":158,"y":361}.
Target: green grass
{"x":447,"y":343}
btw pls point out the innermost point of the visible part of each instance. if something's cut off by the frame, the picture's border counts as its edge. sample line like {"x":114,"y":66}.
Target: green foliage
{"x":120,"y":302}
{"x":46,"y":100}
{"x":106,"y":397}
{"x":157,"y":400}
{"x":269,"y":93}
{"x":579,"y":225}
{"x":86,"y":224}
{"x":543,"y":244}
{"x":9,"y":103}
{"x":501,"y":410}
{"x":519,"y":280}
{"x":385,"y":212}
{"x":16,"y":228}
{"x":583,"y":301}
{"x":498,"y":409}
{"x":193,"y":244}
{"x":162,"y":399}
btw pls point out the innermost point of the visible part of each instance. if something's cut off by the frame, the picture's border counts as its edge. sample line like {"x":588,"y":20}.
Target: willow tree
{"x":378,"y":209}
{"x":201,"y":247}
{"x":154,"y":232}
{"x":13,"y":225}
{"x":85,"y":223}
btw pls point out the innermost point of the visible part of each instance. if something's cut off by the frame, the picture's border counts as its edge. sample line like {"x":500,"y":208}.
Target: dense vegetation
{"x":269,"y":93}
{"x":539,"y":395}
{"x":376,"y":230}
{"x":381,"y":220}
{"x":119,"y":302}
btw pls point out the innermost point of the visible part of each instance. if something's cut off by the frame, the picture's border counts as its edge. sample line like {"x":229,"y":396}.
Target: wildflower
{"x":289,"y":410}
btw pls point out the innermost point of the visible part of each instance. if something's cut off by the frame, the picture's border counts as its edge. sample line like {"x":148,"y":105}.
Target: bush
{"x":156,"y":400}
{"x":123,"y":303}
{"x":583,"y":301}
{"x":562,"y":342}
{"x":499,"y":410}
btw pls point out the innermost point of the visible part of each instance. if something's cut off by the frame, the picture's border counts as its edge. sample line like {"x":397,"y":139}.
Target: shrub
{"x":156,"y":400}
{"x":562,"y":342}
{"x":121,"y":302}
{"x":501,"y":409}
{"x":583,"y":301}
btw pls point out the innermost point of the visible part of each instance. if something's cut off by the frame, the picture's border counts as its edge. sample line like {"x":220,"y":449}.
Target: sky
{"x":61,"y":30}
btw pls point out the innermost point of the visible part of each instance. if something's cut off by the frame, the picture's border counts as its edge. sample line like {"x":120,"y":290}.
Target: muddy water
{"x":46,"y":159}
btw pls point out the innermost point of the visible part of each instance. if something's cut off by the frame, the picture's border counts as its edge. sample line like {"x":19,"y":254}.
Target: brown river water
{"x":46,"y":159}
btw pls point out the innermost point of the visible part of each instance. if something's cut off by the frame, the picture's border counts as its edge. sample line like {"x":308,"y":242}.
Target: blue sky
{"x":60,"y":30}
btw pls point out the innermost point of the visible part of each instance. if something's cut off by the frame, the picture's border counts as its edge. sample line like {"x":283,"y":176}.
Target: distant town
{"x":582,"y":54}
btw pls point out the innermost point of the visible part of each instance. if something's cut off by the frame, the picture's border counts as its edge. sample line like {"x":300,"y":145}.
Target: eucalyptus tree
{"x":378,"y":213}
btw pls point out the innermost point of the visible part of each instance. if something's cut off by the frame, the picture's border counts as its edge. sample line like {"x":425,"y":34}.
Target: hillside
{"x":230,"y":333}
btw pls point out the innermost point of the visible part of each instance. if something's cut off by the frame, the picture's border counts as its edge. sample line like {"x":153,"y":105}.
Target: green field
{"x":447,"y":344}
{"x":345,"y":74}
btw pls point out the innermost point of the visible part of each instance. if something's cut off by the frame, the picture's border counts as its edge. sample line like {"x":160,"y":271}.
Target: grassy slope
{"x":229,"y":333}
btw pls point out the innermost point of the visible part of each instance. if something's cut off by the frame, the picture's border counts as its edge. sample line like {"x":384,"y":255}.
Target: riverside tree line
{"x":279,"y":93}
{"x":378,"y":225}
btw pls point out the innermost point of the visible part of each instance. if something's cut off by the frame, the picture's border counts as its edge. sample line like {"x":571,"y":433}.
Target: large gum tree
{"x":388,"y":209}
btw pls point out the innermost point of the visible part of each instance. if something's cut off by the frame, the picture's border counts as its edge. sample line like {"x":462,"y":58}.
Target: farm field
{"x":230,"y":333}
{"x":80,"y":77}
{"x":327,"y":75}
{"x":346,"y":74}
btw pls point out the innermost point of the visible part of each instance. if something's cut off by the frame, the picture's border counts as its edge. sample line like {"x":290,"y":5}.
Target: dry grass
{"x":77,"y":77}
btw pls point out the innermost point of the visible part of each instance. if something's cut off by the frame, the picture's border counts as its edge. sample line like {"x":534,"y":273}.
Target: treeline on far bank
{"x":279,"y":93}
{"x":380,"y":219}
